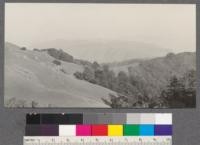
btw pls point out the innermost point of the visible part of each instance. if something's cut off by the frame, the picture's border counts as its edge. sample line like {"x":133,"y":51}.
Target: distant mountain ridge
{"x":109,"y":51}
{"x":126,"y":62}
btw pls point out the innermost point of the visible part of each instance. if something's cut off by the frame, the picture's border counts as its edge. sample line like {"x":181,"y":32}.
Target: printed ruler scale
{"x":164,"y":140}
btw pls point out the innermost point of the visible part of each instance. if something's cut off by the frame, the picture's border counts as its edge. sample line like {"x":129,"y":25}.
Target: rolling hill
{"x":45,"y":77}
{"x":155,"y":73}
{"x":32,"y":76}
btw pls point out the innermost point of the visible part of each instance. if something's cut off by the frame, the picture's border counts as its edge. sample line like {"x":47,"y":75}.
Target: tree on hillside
{"x":189,"y":81}
{"x":122,"y":79}
{"x":112,"y":82}
{"x":100,"y":78}
{"x":88,"y":74}
{"x":23,"y":48}
{"x":95,"y":65}
{"x":56,"y":62}
{"x":180,"y":92}
{"x":175,"y":90}
{"x":106,"y":76}
{"x":79,"y":75}
{"x":123,"y":84}
{"x":119,"y":101}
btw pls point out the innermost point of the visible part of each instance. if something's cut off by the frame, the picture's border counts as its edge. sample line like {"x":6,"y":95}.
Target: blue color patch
{"x":146,"y":130}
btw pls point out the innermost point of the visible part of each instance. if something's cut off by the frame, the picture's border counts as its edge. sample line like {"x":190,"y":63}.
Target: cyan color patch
{"x":146,"y":130}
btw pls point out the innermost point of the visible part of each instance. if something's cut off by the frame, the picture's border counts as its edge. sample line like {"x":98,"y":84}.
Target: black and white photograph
{"x":87,"y":55}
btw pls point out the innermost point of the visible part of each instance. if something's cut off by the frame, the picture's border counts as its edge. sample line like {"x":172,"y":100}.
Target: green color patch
{"x":131,"y":130}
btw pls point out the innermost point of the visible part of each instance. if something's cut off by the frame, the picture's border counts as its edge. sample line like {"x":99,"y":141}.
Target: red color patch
{"x":99,"y":130}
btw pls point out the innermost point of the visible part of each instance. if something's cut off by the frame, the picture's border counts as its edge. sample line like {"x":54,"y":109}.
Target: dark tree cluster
{"x":59,"y":54}
{"x":97,"y":74}
{"x":23,"y":48}
{"x":181,"y":92}
{"x":56,"y":62}
{"x":133,"y":91}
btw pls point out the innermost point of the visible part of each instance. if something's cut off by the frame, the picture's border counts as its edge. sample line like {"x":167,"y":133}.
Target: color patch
{"x":49,"y":130}
{"x":118,"y":118}
{"x":75,"y":118}
{"x":163,"y":118}
{"x":104,"y":118}
{"x":33,"y":119}
{"x":131,"y":130}
{"x":90,"y":118}
{"x":99,"y":130}
{"x":147,"y":118}
{"x":32,"y":130}
{"x":133,"y":118}
{"x":61,"y":118}
{"x":83,"y":130}
{"x":115,"y":130}
{"x":53,"y":119}
{"x":146,"y":130}
{"x":67,"y":130}
{"x":161,"y":130}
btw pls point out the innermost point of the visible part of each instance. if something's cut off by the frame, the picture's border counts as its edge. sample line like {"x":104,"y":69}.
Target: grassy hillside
{"x":155,"y":73}
{"x":32,"y":77}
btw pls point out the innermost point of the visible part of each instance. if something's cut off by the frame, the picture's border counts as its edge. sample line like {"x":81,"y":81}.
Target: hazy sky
{"x":169,"y":27}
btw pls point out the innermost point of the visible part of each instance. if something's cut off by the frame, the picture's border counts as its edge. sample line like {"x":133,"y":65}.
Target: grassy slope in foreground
{"x":31,"y":76}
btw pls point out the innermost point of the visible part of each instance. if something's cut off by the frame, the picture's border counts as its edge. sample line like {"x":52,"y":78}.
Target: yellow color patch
{"x":115,"y":130}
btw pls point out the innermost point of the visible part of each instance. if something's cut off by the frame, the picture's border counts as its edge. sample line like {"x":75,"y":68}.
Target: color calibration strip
{"x":114,"y":124}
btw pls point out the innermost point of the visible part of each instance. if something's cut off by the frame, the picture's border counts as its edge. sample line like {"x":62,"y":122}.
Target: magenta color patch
{"x":83,"y":130}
